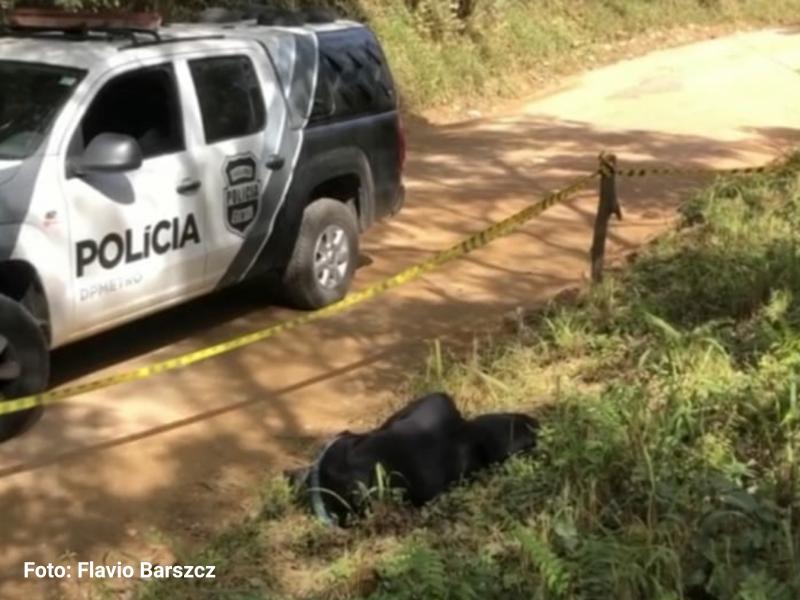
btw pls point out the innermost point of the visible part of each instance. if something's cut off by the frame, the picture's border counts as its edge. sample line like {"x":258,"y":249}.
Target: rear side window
{"x":354,"y":77}
{"x":230,"y":97}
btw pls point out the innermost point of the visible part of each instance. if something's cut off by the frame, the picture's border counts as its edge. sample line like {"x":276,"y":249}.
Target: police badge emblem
{"x":241,"y":192}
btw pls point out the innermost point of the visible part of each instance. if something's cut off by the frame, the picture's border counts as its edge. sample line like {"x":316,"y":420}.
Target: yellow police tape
{"x":478,"y":240}
{"x":665,"y":171}
{"x":607,"y":168}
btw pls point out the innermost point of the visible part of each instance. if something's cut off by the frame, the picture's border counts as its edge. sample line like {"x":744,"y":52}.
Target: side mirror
{"x":108,"y":153}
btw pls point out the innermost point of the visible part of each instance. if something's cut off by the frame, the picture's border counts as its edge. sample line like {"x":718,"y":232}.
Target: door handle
{"x":275,"y":162}
{"x":188,"y":186}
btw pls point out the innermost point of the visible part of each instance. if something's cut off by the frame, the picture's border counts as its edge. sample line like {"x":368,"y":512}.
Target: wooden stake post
{"x":608,"y":205}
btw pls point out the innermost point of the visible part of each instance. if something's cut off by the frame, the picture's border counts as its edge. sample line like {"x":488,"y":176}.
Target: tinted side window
{"x":230,"y":97}
{"x":354,"y":77}
{"x":142,"y":104}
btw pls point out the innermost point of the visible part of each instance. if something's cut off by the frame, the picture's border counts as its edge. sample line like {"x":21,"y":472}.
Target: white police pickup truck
{"x":142,"y":165}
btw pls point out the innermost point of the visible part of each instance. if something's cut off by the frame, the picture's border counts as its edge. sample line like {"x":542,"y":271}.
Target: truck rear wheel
{"x":24,"y":362}
{"x":325,"y":254}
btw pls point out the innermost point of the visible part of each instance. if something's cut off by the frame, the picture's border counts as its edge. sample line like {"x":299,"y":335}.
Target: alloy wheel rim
{"x":331,"y":257}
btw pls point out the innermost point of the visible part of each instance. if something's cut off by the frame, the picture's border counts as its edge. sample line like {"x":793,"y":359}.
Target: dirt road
{"x":117,"y":474}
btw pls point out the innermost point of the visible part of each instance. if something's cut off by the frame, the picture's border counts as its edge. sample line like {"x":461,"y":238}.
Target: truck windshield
{"x":31,"y":95}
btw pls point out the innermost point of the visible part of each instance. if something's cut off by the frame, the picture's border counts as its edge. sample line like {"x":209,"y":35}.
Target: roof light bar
{"x":46,"y":18}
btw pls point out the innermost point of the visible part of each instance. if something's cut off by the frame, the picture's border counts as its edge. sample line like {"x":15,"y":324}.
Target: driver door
{"x":137,"y":236}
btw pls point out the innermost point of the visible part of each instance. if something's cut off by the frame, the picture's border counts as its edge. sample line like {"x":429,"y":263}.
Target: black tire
{"x":319,"y":15}
{"x":219,"y":15}
{"x":301,"y":283}
{"x":280,"y":17}
{"x":24,"y":343}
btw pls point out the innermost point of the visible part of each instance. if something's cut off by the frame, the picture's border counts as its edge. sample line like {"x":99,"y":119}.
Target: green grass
{"x":668,"y":455}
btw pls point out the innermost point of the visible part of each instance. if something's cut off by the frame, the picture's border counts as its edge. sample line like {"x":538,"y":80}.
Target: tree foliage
{"x":440,"y":13}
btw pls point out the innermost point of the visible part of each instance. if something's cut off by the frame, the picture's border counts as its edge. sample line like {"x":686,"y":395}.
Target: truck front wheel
{"x":325,"y":254}
{"x":24,"y":362}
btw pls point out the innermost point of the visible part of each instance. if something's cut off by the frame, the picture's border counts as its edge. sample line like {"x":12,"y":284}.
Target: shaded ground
{"x":116,"y":474}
